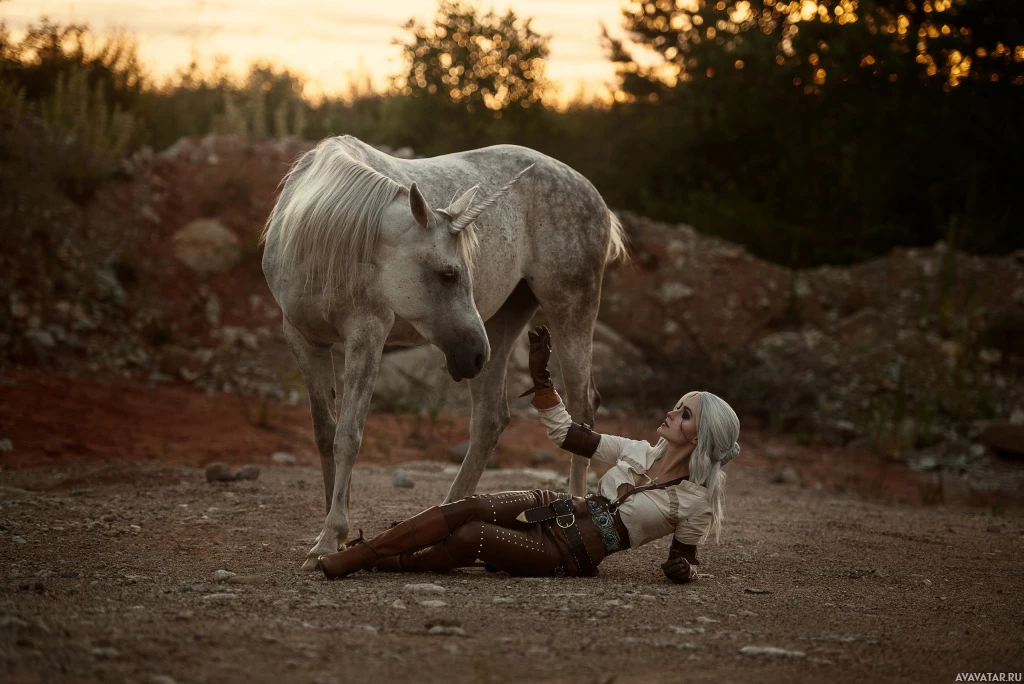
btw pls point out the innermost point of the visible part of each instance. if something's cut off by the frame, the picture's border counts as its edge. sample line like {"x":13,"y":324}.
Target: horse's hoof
{"x":311,"y":562}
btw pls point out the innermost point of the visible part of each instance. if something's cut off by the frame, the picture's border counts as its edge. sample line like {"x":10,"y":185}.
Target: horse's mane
{"x":328,"y":216}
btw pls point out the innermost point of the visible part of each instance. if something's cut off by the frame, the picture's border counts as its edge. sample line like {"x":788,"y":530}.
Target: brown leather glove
{"x":540,"y":352}
{"x":680,"y":564}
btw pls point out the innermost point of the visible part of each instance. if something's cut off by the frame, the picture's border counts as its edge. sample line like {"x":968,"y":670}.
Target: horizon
{"x":351,"y":46}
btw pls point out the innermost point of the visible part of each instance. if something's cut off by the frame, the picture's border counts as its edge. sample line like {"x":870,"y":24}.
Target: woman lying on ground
{"x":675,"y":487}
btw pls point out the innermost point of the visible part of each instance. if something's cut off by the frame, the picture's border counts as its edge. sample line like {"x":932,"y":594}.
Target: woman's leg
{"x":432,"y":525}
{"x":524,"y":552}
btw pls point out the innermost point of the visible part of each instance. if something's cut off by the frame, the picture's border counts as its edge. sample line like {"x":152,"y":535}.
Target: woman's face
{"x":680,"y":426}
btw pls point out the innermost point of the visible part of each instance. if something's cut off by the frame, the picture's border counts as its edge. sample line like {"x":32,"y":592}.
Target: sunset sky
{"x":330,"y":41}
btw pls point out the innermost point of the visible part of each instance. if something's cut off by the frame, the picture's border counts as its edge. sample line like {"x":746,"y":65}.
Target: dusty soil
{"x":111,"y":536}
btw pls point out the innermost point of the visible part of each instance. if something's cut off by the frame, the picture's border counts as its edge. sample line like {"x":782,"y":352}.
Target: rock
{"x":771,"y":651}
{"x":398,"y":604}
{"x":220,"y":597}
{"x":219,"y":472}
{"x":206,"y":246}
{"x":689,"y":646}
{"x":148,"y":213}
{"x":46,"y":574}
{"x":458,"y":452}
{"x":432,"y":603}
{"x":542,"y":458}
{"x":402,"y":478}
{"x":245,"y":579}
{"x":282,"y":458}
{"x":18,"y":539}
{"x":249,"y":472}
{"x":787,"y":475}
{"x":109,"y":287}
{"x":923,"y":464}
{"x":746,"y":613}
{"x":105,"y":653}
{"x":440,"y":630}
{"x":222,"y":575}
{"x":6,"y":446}
{"x":706,"y":620}
{"x":40,"y":337}
{"x":1003,"y":437}
{"x":424,"y":588}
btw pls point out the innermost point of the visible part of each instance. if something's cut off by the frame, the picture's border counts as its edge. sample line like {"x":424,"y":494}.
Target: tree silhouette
{"x":476,"y":62}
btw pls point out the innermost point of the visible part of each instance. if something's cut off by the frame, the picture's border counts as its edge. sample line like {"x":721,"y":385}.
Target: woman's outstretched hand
{"x":679,"y":570}
{"x":540,"y":353}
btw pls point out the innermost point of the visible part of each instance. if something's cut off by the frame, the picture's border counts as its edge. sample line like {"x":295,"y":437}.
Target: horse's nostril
{"x":478,"y":362}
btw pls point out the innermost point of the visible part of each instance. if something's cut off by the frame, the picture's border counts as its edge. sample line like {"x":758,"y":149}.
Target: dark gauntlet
{"x":581,"y":440}
{"x":680,"y":566}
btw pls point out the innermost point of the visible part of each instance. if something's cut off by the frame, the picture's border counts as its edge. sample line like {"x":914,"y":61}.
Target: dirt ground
{"x":111,"y":536}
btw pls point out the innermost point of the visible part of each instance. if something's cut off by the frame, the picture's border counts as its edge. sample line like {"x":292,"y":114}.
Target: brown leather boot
{"x":421,"y":529}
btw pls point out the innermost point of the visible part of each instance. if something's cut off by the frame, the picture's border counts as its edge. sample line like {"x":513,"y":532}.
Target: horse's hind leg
{"x":315,"y":364}
{"x":490,"y":402}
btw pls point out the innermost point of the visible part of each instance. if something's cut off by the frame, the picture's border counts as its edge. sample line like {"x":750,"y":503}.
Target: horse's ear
{"x":463,"y":203}
{"x":418,"y":205}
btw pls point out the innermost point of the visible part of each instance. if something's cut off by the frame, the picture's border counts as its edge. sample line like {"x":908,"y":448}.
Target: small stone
{"x":105,"y":653}
{"x":787,"y":475}
{"x":162,"y":679}
{"x":927,"y":582}
{"x":689,"y":646}
{"x":503,"y":599}
{"x":41,"y":338}
{"x":220,"y":597}
{"x":432,"y":604}
{"x":771,"y":651}
{"x":222,"y":575}
{"x":746,"y":613}
{"x":245,"y":579}
{"x":705,"y":620}
{"x":249,"y":472}
{"x":282,"y":458}
{"x":542,"y":458}
{"x":6,"y":446}
{"x":424,"y":588}
{"x":46,"y":574}
{"x":402,"y":478}
{"x":457,"y":453}
{"x":369,"y":629}
{"x":756,"y":590}
{"x":18,"y":540}
{"x":398,"y":604}
{"x":219,"y":472}
{"x":439,"y":630}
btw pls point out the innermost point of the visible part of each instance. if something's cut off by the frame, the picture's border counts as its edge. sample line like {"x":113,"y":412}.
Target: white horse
{"x":358,"y":255}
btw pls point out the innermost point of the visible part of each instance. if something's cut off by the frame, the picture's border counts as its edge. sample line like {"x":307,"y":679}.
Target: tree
{"x":831,"y":130}
{"x":476,"y":62}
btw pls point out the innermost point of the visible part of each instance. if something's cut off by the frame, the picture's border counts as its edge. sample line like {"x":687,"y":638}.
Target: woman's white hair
{"x":717,"y":432}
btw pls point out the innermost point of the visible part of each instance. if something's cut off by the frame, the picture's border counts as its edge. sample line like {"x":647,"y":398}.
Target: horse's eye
{"x":449,"y":276}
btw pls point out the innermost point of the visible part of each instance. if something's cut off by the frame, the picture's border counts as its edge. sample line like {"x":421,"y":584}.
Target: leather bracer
{"x":581,"y":440}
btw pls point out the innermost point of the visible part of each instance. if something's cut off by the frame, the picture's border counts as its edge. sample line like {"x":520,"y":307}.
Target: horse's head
{"x":425,"y":264}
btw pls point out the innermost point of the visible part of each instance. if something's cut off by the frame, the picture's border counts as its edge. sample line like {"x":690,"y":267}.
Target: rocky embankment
{"x":917,"y":353}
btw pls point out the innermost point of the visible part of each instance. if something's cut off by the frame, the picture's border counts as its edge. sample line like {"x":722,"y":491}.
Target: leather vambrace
{"x":581,"y":440}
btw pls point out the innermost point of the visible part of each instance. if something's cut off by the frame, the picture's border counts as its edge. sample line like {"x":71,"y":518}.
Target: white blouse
{"x":682,"y":510}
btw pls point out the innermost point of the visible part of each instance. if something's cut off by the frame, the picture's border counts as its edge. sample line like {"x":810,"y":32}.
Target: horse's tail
{"x":617,"y":241}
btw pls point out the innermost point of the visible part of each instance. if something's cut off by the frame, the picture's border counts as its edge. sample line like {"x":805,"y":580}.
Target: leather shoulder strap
{"x":645,"y":488}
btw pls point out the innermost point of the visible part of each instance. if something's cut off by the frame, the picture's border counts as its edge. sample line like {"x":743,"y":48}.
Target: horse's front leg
{"x":364,"y":343}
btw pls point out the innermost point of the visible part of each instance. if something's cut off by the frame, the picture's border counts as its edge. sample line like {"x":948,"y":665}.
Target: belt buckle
{"x":570,"y":516}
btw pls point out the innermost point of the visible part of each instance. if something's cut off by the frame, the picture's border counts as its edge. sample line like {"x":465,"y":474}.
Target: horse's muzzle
{"x":466,"y":363}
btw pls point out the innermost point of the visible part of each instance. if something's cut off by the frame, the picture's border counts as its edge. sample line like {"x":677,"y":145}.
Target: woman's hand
{"x":540,"y":353}
{"x":681,"y":561}
{"x":679,"y":570}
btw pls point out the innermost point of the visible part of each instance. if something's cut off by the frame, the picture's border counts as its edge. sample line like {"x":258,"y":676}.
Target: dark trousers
{"x":484,"y":527}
